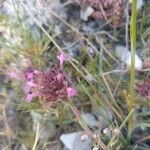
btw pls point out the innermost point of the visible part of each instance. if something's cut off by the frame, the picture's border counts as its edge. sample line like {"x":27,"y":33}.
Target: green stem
{"x":133,"y":50}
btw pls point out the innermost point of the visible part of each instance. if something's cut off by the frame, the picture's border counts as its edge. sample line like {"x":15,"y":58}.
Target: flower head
{"x":51,"y":85}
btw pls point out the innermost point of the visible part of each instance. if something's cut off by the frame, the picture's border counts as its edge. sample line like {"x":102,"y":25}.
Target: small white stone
{"x":68,"y":139}
{"x":72,"y":141}
{"x":125,"y":56}
{"x":95,"y":148}
{"x":139,"y":4}
{"x":86,"y":12}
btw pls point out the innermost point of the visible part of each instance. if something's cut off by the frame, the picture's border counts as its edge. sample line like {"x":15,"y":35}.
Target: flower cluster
{"x":106,"y":9}
{"x":143,"y":89}
{"x":52,"y":85}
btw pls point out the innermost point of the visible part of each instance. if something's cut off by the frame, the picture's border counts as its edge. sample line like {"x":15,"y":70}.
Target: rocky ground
{"x":94,"y":36}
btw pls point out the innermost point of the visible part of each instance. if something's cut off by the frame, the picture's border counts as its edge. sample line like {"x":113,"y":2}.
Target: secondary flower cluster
{"x":143,"y":89}
{"x":106,"y":9}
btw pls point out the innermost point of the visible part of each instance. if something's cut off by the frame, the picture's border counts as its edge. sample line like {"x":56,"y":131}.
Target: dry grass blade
{"x":36,"y":137}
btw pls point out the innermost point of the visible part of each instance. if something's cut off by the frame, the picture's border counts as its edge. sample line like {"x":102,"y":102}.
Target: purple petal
{"x":29,"y":97}
{"x":59,"y":77}
{"x":31,"y":84}
{"x":71,"y":92}
{"x":29,"y":76}
{"x":61,"y":57}
{"x":27,"y":89}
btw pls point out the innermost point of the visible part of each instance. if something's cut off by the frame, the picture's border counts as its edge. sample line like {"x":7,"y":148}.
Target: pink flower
{"x":27,"y":89}
{"x":29,"y":75}
{"x":61,"y":57}
{"x":71,"y":92}
{"x":29,"y":97}
{"x":50,"y":85}
{"x":28,"y":86}
{"x":59,"y":77}
{"x":31,"y":84}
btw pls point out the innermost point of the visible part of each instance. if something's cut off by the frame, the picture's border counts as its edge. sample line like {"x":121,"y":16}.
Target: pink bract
{"x":71,"y":92}
{"x":29,"y":97}
{"x":61,"y":57}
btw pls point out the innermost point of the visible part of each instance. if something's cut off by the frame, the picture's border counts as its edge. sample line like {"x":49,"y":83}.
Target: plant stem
{"x":84,"y":126}
{"x":133,"y":50}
